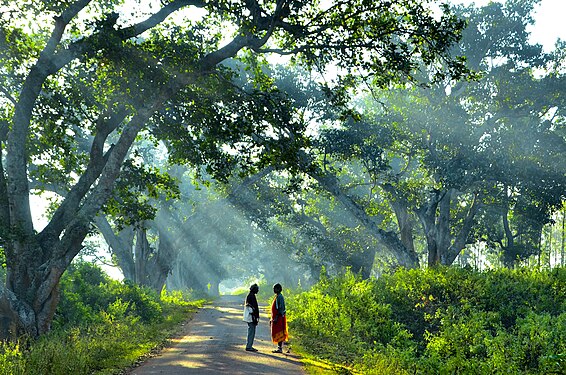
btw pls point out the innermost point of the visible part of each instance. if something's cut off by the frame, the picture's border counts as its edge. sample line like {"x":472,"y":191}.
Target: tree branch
{"x":61,"y":23}
{"x":17,"y":153}
{"x":76,"y":49}
{"x":107,"y":122}
{"x":157,"y":18}
{"x":462,"y":237}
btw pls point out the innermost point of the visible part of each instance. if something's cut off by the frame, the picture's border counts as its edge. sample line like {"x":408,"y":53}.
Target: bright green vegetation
{"x":436,"y":321}
{"x":101,"y":326}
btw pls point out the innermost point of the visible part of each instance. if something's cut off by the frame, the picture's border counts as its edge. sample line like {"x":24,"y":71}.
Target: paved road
{"x":214,"y":342}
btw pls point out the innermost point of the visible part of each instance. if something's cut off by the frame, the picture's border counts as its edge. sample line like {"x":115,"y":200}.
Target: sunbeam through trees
{"x":198,"y":146}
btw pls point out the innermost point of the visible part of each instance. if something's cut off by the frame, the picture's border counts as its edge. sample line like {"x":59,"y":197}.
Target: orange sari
{"x":278,"y":329}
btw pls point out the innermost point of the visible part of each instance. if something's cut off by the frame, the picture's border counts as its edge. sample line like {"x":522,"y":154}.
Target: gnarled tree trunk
{"x":435,"y":216}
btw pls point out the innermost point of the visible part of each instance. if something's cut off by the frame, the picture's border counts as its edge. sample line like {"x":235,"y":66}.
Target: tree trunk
{"x":405,"y":223}
{"x":32,"y":281}
{"x":142,"y":250}
{"x":404,"y":256}
{"x":30,"y":296}
{"x":121,"y":245}
{"x":461,"y":238}
{"x":141,"y":263}
{"x":509,"y":253}
{"x":443,"y":236}
{"x":4,"y":204}
{"x":162,"y":262}
{"x":427,"y":217}
{"x":362,"y":262}
{"x":443,"y":248}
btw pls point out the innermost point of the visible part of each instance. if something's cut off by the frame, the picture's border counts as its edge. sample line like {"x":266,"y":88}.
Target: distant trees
{"x":432,"y":170}
{"x":520,"y":143}
{"x":80,"y":75}
{"x":425,"y":173}
{"x":460,"y":163}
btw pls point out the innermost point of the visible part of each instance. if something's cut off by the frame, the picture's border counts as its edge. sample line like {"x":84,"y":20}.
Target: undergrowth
{"x":101,"y":327}
{"x":436,"y":321}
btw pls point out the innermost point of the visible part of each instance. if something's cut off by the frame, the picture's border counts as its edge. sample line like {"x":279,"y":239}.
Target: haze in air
{"x":398,"y":166}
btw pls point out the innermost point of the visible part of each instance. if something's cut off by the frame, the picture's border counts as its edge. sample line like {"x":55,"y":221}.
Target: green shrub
{"x":437,"y":321}
{"x":87,"y":292}
{"x":142,"y":301}
{"x":58,"y":353}
{"x":342,"y":319}
{"x":11,"y":359}
{"x":101,"y":326}
{"x":469,"y":344}
{"x":84,"y":293}
{"x":539,"y":338}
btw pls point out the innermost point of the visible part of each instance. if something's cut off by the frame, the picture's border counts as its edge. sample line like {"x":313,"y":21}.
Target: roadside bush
{"x":339,"y":318}
{"x":540,"y":338}
{"x":11,"y":359}
{"x":57,"y":353}
{"x":465,"y":344}
{"x":86,"y":292}
{"x":101,"y":327}
{"x":142,"y":301}
{"x":437,"y":321}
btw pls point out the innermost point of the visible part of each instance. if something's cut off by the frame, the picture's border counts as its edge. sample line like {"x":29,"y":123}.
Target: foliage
{"x":137,"y":186}
{"x":84,"y":81}
{"x":441,"y":320}
{"x":471,"y":149}
{"x":99,"y":332}
{"x":11,"y":361}
{"x":88,"y":295}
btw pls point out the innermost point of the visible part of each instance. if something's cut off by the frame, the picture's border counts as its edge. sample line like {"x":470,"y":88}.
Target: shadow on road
{"x":214,"y":344}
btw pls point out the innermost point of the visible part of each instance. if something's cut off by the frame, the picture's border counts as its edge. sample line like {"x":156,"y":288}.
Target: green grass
{"x":104,"y":348}
{"x":316,"y":366}
{"x":103,"y":328}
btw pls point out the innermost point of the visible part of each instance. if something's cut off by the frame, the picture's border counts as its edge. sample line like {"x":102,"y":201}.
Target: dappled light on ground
{"x":214,"y":344}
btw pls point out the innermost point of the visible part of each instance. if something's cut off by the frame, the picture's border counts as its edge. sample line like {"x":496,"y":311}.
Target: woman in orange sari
{"x":278,"y":319}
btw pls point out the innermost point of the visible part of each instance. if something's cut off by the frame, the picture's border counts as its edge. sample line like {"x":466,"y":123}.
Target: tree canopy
{"x":82,"y":81}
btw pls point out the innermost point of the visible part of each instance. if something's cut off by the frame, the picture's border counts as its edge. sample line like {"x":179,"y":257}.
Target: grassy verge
{"x":103,"y":348}
{"x":314,"y":365}
{"x":102,"y":327}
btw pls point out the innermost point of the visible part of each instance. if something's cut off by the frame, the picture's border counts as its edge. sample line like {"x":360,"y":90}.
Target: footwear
{"x":251,"y":350}
{"x":278,"y":350}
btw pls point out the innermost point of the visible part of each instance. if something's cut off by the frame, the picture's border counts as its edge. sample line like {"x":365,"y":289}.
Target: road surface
{"x":213,"y":342}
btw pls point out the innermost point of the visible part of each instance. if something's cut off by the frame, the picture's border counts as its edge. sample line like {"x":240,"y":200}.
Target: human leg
{"x":279,"y":347}
{"x":251,"y":336}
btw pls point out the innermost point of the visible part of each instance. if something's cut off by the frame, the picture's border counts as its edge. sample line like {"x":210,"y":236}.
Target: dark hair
{"x":254,"y":288}
{"x":277,"y":288}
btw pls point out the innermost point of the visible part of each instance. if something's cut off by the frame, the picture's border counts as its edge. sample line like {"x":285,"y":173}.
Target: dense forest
{"x":398,"y":165}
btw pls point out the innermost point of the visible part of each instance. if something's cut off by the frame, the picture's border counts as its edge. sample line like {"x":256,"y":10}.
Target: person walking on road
{"x":278,"y":319}
{"x":251,"y":303}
